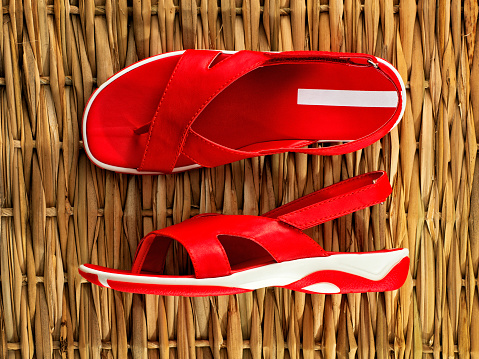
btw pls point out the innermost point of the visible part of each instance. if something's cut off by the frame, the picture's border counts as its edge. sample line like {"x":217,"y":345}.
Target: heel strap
{"x":334,"y":201}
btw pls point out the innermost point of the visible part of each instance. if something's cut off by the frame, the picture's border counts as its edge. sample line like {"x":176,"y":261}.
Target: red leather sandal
{"x":235,"y":254}
{"x":203,"y":108}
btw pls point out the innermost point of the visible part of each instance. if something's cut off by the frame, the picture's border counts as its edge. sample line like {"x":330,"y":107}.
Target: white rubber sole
{"x":190,"y":167}
{"x":373,"y":266}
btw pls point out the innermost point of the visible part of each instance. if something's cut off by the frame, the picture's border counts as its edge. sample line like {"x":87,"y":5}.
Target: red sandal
{"x":235,"y":254}
{"x":203,"y":108}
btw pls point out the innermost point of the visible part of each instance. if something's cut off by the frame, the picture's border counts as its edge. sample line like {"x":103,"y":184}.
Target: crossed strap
{"x":194,"y":83}
{"x":279,"y":231}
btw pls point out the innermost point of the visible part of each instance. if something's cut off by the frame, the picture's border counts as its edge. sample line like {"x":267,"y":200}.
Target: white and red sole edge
{"x":337,"y":273}
{"x":190,"y":167}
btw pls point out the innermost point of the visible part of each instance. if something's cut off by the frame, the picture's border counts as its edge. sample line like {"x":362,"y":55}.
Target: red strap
{"x":334,"y":201}
{"x":207,"y":153}
{"x":193,"y":84}
{"x":207,"y":254}
{"x":281,"y":241}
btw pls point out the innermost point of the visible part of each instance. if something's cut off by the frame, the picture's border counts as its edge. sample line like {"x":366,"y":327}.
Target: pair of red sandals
{"x":201,"y":108}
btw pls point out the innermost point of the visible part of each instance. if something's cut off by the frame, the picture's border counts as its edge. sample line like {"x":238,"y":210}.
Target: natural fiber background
{"x":58,"y":210}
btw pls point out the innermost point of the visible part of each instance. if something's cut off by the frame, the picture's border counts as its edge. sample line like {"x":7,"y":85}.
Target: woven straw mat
{"x":58,"y":210}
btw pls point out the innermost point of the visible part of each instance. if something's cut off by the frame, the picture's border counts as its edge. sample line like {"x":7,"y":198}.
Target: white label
{"x":347,"y":98}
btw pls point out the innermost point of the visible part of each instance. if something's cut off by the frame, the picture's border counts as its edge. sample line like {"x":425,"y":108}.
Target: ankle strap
{"x":334,"y":201}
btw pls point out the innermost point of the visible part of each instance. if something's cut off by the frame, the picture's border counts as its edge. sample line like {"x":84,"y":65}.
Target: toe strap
{"x":207,"y":254}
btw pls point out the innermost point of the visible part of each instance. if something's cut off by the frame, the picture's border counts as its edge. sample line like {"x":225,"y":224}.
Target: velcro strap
{"x":334,"y":201}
